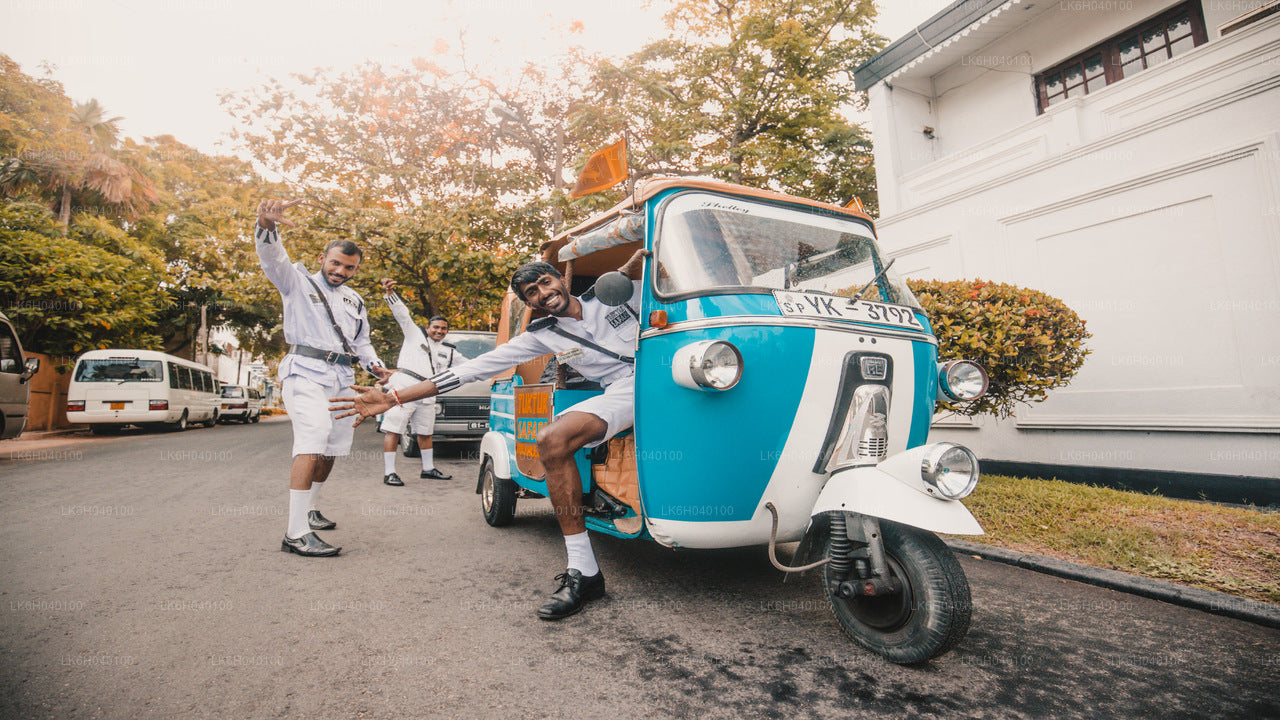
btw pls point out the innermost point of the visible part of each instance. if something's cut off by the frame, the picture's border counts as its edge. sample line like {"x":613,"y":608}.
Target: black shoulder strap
{"x":583,"y":341}
{"x":345,"y":345}
{"x":540,"y":324}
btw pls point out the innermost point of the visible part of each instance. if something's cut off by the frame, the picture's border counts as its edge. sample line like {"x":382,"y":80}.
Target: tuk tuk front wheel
{"x":930,"y":614}
{"x":497,"y":496}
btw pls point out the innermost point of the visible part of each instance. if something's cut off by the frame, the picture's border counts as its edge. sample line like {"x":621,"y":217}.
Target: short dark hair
{"x":530,"y":272}
{"x":346,"y":247}
{"x":441,"y":318}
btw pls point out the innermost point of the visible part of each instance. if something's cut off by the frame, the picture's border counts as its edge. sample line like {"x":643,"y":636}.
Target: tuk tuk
{"x":768,"y":408}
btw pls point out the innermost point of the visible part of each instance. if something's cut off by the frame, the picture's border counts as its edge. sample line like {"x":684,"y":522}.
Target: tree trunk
{"x":64,"y":212}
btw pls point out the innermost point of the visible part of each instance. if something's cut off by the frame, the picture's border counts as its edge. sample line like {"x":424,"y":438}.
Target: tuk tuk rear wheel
{"x":497,"y":496}
{"x":926,"y":619}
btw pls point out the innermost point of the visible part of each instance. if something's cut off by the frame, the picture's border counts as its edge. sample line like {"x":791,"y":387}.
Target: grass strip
{"x":1229,"y":549}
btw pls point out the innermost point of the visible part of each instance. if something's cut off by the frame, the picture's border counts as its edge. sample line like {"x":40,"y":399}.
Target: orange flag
{"x":606,"y":168}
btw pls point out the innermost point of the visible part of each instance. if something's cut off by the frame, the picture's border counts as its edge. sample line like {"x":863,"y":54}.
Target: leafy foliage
{"x":750,"y":91}
{"x":97,"y":288}
{"x":1028,"y":341}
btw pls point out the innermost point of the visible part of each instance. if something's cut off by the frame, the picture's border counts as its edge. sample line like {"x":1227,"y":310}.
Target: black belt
{"x":410,"y":373}
{"x":337,"y":358}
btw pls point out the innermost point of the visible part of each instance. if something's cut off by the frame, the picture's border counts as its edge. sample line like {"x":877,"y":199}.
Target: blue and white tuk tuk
{"x":769,"y":409}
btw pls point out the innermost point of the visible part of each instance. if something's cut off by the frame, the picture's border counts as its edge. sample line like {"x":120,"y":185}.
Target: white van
{"x":15,"y":371}
{"x":113,"y":388}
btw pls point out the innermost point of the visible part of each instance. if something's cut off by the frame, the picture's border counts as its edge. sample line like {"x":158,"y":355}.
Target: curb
{"x":1210,"y":601}
{"x":45,"y":434}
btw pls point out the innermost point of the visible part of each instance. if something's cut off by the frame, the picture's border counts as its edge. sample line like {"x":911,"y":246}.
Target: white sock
{"x":388,"y":462}
{"x":315,"y":495}
{"x":298,"y":501}
{"x":580,"y":556}
{"x":428,"y":458}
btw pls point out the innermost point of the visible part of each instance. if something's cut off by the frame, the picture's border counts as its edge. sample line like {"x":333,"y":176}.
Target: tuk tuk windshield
{"x":711,"y":243}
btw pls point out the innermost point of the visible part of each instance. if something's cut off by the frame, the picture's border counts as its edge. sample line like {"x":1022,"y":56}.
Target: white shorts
{"x":616,"y":406}
{"x":315,"y":431}
{"x":419,"y":415}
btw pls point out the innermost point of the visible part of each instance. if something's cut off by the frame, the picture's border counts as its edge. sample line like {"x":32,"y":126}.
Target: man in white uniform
{"x":327,"y":330}
{"x":596,"y":340}
{"x":422,"y":355}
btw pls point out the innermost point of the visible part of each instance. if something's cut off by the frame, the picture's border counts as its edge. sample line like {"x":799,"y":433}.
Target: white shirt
{"x":419,"y":352}
{"x":613,"y":328}
{"x":305,"y":320}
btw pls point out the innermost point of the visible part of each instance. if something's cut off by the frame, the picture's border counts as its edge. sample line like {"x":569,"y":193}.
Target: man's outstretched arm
{"x":271,"y":253}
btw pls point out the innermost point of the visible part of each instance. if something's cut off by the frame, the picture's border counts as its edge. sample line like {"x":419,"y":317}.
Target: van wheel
{"x":409,"y":444}
{"x":256,"y":417}
{"x":100,"y":429}
{"x":497,"y":496}
{"x":213,"y":420}
{"x":180,"y":424}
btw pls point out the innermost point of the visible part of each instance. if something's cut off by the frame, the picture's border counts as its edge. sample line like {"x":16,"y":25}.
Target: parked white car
{"x":240,"y":403}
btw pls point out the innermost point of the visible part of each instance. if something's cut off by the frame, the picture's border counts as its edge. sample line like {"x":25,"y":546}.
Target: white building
{"x":1124,"y":156}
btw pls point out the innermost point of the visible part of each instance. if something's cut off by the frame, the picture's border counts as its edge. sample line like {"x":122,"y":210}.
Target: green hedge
{"x":1028,"y":342}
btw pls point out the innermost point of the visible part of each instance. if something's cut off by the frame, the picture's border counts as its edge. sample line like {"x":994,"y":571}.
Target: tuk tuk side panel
{"x":805,"y":412}
{"x":926,"y":378}
{"x":707,"y":456}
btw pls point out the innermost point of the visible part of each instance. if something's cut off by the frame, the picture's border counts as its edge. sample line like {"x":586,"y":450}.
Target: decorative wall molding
{"x":1220,"y":157}
{"x":1236,"y":95}
{"x":1155,"y":423}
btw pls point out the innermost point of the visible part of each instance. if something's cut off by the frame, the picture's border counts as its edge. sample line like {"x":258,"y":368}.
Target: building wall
{"x":1151,"y":207}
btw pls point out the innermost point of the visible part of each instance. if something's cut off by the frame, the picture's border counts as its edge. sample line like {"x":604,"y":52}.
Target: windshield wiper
{"x":885,"y":269}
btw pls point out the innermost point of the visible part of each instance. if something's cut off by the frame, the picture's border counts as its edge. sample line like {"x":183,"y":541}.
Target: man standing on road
{"x":320,"y":314}
{"x":598,"y":342}
{"x":422,"y":355}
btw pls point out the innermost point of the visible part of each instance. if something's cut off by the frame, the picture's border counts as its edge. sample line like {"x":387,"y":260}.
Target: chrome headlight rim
{"x":699,"y":361}
{"x":693,"y":362}
{"x":948,"y":381}
{"x":938,"y":471}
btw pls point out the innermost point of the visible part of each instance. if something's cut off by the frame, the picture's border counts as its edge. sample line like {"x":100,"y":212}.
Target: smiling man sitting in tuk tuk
{"x":597,"y":341}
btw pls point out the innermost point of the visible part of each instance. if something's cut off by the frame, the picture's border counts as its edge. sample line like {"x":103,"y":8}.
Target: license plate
{"x":477,"y":425}
{"x":831,"y":307}
{"x":117,"y":406}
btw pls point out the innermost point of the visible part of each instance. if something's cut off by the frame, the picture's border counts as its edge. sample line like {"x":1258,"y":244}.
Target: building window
{"x":1143,"y":46}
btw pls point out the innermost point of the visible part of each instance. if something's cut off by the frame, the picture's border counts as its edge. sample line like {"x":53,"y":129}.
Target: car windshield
{"x":472,"y":344}
{"x":232,"y":392}
{"x":711,"y":243}
{"x":119,"y":370}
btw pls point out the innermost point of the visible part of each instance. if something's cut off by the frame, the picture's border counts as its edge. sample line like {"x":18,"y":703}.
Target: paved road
{"x":142,"y":577}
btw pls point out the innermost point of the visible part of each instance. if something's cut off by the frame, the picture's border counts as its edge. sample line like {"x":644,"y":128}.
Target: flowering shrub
{"x":1028,"y":342}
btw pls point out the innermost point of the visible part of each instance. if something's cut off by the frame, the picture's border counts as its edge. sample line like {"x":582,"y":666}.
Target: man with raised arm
{"x":327,"y":330}
{"x":596,"y":340}
{"x":423,"y":354}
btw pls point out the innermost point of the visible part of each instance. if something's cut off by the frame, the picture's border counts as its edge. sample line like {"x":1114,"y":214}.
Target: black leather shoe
{"x":392,"y":479}
{"x":574,"y":592}
{"x":320,"y":522}
{"x":309,"y":545}
{"x":434,"y":474}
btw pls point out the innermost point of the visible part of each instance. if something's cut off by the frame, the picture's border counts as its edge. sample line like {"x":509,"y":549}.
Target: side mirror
{"x":613,"y":288}
{"x":32,"y":367}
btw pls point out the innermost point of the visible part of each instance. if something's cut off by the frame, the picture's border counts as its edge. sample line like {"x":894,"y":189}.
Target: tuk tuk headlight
{"x":961,"y":381}
{"x":707,"y":365}
{"x":950,"y":469}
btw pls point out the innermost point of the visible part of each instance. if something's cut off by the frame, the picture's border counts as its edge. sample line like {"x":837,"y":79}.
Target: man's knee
{"x":562,"y":438}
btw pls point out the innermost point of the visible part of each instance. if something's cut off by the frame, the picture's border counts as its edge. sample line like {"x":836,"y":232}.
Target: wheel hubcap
{"x":486,"y":491}
{"x":887,"y":612}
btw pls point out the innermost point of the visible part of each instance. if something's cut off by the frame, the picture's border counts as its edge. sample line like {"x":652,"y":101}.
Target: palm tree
{"x":104,"y":172}
{"x":89,"y":161}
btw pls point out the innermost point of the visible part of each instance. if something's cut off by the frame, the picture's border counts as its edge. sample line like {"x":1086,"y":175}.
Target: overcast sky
{"x":162,"y":64}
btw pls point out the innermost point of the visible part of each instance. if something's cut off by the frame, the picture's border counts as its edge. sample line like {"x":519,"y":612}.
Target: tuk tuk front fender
{"x":872,"y":491}
{"x":494,"y":446}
